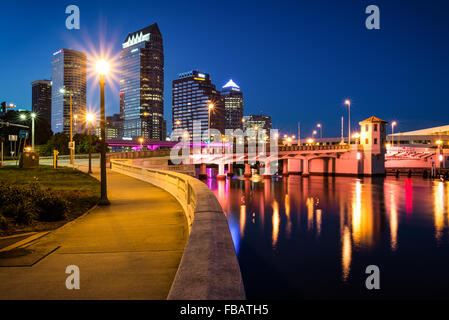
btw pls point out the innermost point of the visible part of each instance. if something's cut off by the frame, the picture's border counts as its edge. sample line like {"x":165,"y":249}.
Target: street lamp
{"x":102,"y":70}
{"x":33,"y":116}
{"x":72,"y":149}
{"x":393,"y":124}
{"x":321,"y":130}
{"x":210,"y":108}
{"x":348,"y":103}
{"x":356,"y":136}
{"x":90,"y":119}
{"x":141,"y":143}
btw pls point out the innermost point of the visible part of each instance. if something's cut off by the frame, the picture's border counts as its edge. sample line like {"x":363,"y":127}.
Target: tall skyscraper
{"x":41,"y":99}
{"x":233,"y":98}
{"x":69,"y":73}
{"x":142,"y":83}
{"x":192,"y":93}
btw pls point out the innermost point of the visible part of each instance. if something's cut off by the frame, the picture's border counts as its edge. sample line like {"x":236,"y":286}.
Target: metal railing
{"x":77,"y":156}
{"x":314,"y":148}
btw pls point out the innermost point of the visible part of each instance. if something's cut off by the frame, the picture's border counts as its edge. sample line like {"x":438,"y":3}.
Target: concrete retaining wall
{"x":209,"y":269}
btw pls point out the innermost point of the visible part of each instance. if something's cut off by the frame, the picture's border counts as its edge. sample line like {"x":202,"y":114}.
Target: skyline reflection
{"x":372,"y":220}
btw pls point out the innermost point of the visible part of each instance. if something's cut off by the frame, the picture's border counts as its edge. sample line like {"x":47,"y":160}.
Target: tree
{"x":60,"y":142}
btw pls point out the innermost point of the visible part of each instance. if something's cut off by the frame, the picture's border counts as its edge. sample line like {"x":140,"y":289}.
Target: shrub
{"x":25,"y":213}
{"x":51,"y":207}
{"x":3,"y":222}
{"x":29,"y":202}
{"x":22,"y":212}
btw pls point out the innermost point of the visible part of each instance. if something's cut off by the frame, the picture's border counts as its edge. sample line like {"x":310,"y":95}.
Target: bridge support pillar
{"x":203,"y":171}
{"x":221,"y":174}
{"x":305,"y":167}
{"x":230,"y":170}
{"x":439,"y":154}
{"x":285,"y":168}
{"x":267,"y":170}
{"x":293,"y":166}
{"x":247,"y":173}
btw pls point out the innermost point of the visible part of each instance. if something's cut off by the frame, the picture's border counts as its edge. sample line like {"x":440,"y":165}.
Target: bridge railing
{"x":314,"y":148}
{"x":180,"y":168}
{"x":209,"y":269}
{"x":138,"y":154}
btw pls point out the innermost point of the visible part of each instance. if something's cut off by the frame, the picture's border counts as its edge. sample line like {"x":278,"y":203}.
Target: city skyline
{"x":383,"y":73}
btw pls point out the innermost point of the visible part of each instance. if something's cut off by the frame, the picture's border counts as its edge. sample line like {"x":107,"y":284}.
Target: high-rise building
{"x":122,"y":107}
{"x":192,"y":93}
{"x":41,"y":99}
{"x":257,"y":122}
{"x":233,"y":98}
{"x":142,"y":83}
{"x":113,"y":127}
{"x":69,"y":74}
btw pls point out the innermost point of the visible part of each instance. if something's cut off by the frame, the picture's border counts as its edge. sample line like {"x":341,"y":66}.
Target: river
{"x":312,"y":238}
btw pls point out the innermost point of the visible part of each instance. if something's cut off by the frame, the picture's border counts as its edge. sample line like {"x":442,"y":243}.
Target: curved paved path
{"x":129,"y":250}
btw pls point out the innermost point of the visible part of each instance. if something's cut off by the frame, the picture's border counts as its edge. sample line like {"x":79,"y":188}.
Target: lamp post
{"x":393,"y":124}
{"x":321,"y":130}
{"x":356,"y":136}
{"x":141,"y":143}
{"x":348,"y":103}
{"x":33,"y":116}
{"x":102,"y":69}
{"x":90,"y":119}
{"x":210,"y":108}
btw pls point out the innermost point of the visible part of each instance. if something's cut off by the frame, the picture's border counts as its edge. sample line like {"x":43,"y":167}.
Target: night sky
{"x":294,"y":60}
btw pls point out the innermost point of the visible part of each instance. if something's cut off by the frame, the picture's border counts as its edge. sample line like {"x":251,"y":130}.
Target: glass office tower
{"x":192,"y":93}
{"x":233,"y":98}
{"x":41,"y":99}
{"x":142,"y":84}
{"x":69,"y":73}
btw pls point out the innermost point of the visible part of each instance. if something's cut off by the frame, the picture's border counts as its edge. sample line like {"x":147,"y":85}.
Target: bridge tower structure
{"x":372,"y":148}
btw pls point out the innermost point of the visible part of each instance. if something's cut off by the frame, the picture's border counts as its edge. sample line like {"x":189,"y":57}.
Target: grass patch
{"x":36,"y":192}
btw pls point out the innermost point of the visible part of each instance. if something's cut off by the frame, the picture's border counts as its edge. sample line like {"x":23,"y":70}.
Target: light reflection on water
{"x":313,"y":237}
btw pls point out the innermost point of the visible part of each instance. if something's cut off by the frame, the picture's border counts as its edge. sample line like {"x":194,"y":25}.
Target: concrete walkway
{"x":129,"y":250}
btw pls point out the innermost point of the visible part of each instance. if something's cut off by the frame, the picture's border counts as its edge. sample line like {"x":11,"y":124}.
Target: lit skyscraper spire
{"x":233,"y":98}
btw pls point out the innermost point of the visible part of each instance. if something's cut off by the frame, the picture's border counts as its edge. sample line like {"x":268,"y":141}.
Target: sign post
{"x":55,"y":158}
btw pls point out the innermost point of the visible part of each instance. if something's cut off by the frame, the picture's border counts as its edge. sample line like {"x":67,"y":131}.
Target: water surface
{"x":312,"y":238}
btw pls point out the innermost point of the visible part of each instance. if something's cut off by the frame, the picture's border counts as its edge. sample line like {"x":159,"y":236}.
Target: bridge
{"x":365,"y":157}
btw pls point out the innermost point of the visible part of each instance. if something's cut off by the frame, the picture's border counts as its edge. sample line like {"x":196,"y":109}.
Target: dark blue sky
{"x":295,"y":60}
